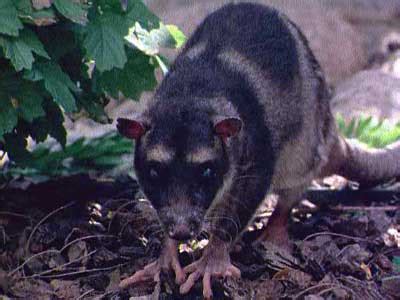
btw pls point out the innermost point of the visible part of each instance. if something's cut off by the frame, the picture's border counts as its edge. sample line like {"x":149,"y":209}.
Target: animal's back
{"x":256,"y":49}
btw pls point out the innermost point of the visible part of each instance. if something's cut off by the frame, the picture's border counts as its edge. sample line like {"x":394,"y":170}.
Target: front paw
{"x":215,"y":262}
{"x":168,"y":260}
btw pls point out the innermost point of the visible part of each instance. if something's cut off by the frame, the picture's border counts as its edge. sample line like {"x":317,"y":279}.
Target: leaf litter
{"x":80,"y":245}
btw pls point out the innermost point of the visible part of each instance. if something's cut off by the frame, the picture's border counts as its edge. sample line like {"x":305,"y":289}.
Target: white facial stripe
{"x":160,"y":153}
{"x":201,"y":155}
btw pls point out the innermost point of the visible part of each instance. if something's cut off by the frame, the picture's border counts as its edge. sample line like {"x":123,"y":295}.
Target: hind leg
{"x":276,"y":231}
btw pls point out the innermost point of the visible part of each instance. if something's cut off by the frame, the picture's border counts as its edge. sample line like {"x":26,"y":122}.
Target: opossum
{"x":243,"y":112}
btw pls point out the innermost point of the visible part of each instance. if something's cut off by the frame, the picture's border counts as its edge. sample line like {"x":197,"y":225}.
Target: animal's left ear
{"x":132,"y":129}
{"x":227,"y":127}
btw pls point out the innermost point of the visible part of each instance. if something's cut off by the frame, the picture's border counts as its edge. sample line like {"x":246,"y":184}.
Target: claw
{"x":215,"y":262}
{"x":167,"y":260}
{"x":151,"y":271}
{"x":189,"y":283}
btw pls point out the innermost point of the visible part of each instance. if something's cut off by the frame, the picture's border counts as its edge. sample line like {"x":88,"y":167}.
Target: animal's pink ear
{"x":131,"y":129}
{"x":228,"y":127}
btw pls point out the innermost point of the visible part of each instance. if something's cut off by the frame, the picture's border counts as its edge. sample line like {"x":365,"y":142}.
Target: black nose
{"x":180,"y":232}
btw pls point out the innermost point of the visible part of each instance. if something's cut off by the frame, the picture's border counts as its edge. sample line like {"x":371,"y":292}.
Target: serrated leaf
{"x":56,"y":82}
{"x":150,"y":42}
{"x":94,"y":109}
{"x":71,"y":10}
{"x":177,"y":35}
{"x":20,"y":50}
{"x":30,"y":38}
{"x":9,"y":21}
{"x":163,"y":37}
{"x":104,"y":42}
{"x":43,"y":17}
{"x":137,"y":11}
{"x":30,"y":104}
{"x":8,"y":115}
{"x":137,"y":76}
{"x":55,"y":120}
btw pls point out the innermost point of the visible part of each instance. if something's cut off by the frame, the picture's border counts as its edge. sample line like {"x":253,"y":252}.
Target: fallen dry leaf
{"x":392,"y":237}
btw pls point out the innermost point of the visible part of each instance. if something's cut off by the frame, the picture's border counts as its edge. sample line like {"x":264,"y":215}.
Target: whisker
{"x":236,"y":200}
{"x":223,"y":217}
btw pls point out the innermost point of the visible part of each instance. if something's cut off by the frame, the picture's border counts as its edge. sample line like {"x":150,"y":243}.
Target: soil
{"x":77,"y":237}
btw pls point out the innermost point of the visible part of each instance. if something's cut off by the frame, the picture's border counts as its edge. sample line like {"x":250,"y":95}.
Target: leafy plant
{"x":371,"y":131}
{"x":82,"y":156}
{"x":62,"y":57}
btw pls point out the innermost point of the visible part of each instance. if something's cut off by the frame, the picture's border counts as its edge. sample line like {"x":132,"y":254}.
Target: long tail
{"x":356,"y":162}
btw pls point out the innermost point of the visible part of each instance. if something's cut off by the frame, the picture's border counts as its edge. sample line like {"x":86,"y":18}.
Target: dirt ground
{"x":77,"y":237}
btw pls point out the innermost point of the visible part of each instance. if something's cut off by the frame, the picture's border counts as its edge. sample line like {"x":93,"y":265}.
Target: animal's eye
{"x":208,"y":172}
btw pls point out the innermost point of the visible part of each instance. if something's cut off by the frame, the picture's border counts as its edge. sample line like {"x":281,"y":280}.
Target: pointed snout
{"x":180,"y":232}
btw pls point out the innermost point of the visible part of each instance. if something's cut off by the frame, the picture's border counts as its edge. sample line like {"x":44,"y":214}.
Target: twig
{"x":43,"y":220}
{"x":326,"y":290}
{"x":85,"y":294}
{"x":337,"y":235}
{"x":117,"y":212}
{"x":64,"y":265}
{"x":56,"y":251}
{"x":391,"y":277}
{"x":77,"y":272}
{"x":326,"y":196}
{"x":87,"y":238}
{"x":30,"y":258}
{"x":331,"y":285}
{"x":365,"y":208}
{"x":13,"y":214}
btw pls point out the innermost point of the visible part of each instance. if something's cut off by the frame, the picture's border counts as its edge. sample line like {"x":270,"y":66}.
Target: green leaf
{"x":30,"y":38}
{"x":177,"y":35}
{"x":71,"y":10}
{"x":94,"y":108}
{"x":362,"y":125}
{"x":20,"y":49}
{"x":52,"y":123}
{"x":30,"y":104}
{"x":9,"y":21}
{"x":56,"y":82}
{"x":137,"y":76}
{"x":8,"y":115}
{"x":42,"y":17}
{"x":350,"y":128}
{"x":150,"y":42}
{"x":137,"y":11}
{"x":104,"y":42}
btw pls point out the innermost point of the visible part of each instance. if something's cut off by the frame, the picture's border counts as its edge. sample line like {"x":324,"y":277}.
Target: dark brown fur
{"x":244,"y":111}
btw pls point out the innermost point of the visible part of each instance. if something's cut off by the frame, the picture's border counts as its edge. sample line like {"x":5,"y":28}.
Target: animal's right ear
{"x":132,"y":129}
